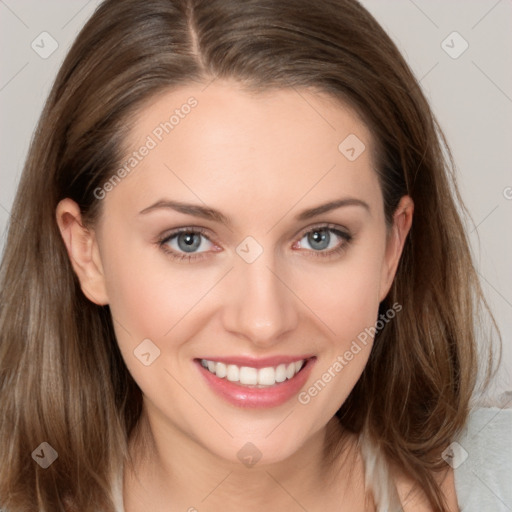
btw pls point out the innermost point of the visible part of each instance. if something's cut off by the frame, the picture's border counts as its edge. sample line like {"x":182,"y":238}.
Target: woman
{"x":242,"y":281}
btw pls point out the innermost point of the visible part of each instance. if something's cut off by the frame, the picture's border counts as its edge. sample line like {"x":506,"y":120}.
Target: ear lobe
{"x":83,"y":251}
{"x":402,"y":221}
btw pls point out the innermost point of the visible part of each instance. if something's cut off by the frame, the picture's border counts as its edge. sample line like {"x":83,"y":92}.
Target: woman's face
{"x":281,"y":264}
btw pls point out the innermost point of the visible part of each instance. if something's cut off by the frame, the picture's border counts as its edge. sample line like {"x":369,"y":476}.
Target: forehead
{"x":219,"y":141}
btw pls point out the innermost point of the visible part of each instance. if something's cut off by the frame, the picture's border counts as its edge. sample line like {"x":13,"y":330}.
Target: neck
{"x":170,"y":468}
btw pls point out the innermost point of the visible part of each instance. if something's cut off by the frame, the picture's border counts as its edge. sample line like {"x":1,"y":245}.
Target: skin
{"x":260,"y":160}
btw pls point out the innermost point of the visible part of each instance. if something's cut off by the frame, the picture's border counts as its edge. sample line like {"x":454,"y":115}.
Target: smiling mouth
{"x":254,"y":377}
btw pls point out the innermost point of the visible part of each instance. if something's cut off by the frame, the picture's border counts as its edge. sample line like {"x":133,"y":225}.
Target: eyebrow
{"x":216,"y":216}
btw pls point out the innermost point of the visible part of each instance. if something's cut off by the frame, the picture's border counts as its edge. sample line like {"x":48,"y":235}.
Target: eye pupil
{"x":318,"y":239}
{"x":189,"y":243}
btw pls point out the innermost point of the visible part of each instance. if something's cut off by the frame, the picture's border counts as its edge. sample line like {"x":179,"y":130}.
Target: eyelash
{"x":162,"y":242}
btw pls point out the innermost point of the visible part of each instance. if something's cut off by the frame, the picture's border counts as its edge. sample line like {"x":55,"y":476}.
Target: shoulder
{"x":482,"y":461}
{"x":412,"y":499}
{"x":393,"y":489}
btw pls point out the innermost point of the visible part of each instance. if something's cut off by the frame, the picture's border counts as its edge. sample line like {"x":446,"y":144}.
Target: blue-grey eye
{"x":321,"y":239}
{"x":187,"y":241}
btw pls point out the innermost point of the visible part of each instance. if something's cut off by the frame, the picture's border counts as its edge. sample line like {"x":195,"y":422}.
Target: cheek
{"x":344,"y":295}
{"x":152,"y":298}
{"x":346,"y":299}
{"x":147,"y":292}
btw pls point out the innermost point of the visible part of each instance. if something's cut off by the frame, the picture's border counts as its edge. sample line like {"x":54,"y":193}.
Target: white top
{"x":481,"y":458}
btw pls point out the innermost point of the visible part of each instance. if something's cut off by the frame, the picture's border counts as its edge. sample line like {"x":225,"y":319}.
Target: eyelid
{"x":324,"y":225}
{"x":185,"y":229}
{"x":207,"y":234}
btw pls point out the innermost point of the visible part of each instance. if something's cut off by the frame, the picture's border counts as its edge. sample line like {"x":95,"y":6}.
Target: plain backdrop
{"x":467,"y":77}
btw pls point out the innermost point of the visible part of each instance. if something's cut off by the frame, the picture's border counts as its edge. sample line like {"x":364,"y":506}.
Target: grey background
{"x":471,"y":96}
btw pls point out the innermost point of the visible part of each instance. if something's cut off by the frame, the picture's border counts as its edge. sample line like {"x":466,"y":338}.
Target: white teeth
{"x":248,"y":376}
{"x":220,"y":370}
{"x":281,"y":373}
{"x":266,"y":376}
{"x":233,"y":373}
{"x":290,"y":370}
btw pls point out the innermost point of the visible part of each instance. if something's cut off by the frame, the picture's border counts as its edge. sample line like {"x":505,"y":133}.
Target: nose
{"x":261,"y":305}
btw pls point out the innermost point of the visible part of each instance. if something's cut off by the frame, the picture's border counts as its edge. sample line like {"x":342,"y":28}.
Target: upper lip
{"x":262,"y":362}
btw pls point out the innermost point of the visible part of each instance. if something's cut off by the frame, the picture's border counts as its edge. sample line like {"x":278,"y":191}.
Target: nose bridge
{"x":261,"y":307}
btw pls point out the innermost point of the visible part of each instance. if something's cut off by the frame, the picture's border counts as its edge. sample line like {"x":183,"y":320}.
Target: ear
{"x":402,"y":221}
{"x":82,"y":250}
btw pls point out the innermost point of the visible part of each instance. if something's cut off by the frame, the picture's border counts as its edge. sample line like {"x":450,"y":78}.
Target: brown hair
{"x":63,"y":379}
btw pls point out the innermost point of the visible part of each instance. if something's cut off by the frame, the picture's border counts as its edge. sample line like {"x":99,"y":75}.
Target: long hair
{"x":62,"y":378}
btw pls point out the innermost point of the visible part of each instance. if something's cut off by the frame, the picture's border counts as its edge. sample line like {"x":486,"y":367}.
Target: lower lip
{"x":245,"y":396}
